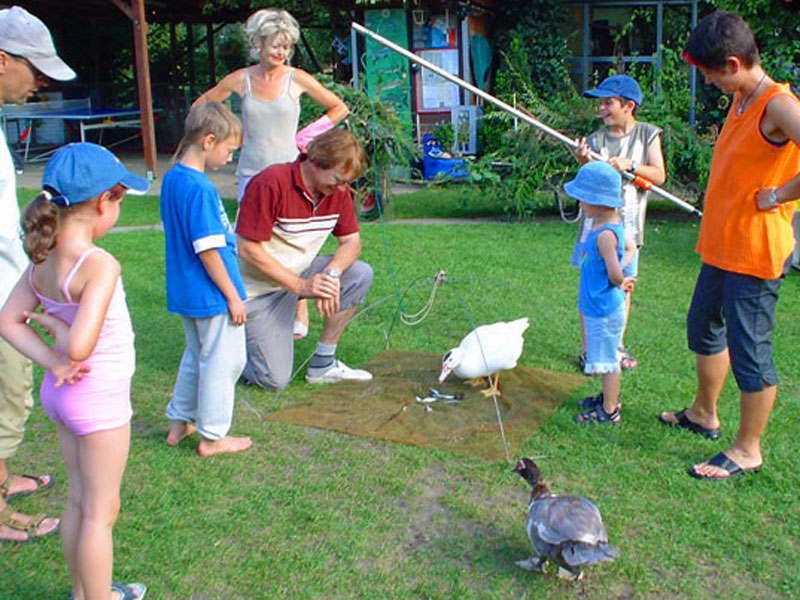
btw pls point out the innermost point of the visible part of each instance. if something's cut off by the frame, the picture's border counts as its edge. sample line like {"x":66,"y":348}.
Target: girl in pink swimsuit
{"x":86,"y":387}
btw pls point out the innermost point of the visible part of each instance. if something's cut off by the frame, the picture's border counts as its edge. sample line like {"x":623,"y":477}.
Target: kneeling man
{"x":286,"y":214}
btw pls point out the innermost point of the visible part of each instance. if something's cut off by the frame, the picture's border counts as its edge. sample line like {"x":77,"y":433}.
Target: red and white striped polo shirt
{"x":278,"y":211}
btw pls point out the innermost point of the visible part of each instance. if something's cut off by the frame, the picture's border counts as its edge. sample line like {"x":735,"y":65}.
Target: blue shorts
{"x":737,"y":312}
{"x":603,"y":335}
{"x":632,"y":268}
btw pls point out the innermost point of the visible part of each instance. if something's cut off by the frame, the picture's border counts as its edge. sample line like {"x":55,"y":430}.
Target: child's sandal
{"x":626,"y":359}
{"x":591,"y":402}
{"x":582,"y":361}
{"x":598,"y":414}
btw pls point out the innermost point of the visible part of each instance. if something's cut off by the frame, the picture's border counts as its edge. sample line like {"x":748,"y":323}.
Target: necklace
{"x":741,"y":105}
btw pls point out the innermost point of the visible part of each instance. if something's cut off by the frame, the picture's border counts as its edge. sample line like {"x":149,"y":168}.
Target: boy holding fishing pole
{"x":627,"y":145}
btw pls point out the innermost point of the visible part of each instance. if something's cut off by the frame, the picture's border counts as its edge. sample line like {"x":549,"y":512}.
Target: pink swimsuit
{"x":102,"y":399}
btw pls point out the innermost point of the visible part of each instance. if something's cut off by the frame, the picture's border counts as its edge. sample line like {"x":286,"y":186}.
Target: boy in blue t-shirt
{"x":602,"y":285}
{"x":203,"y":283}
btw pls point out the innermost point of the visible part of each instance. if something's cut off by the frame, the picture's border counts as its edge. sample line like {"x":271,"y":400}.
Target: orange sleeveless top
{"x":734,"y":234}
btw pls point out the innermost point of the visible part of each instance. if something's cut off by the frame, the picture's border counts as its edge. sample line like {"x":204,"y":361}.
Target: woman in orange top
{"x":745,"y":241}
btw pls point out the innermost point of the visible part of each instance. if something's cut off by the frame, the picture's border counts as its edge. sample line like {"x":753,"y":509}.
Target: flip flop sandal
{"x":685,"y":423}
{"x":29,"y":528}
{"x":599,"y":415}
{"x":726,"y":464}
{"x":5,"y":487}
{"x":129,"y":591}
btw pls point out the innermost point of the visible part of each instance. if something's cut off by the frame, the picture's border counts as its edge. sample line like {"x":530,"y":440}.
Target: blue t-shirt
{"x":194,"y":220}
{"x":597,"y":296}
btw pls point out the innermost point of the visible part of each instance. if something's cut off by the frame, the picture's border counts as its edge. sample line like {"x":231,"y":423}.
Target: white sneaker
{"x":339,"y":372}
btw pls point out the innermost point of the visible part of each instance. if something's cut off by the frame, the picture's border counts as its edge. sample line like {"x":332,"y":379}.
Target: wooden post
{"x":143,"y":87}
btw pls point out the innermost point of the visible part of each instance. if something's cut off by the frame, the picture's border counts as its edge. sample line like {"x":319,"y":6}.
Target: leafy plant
{"x":385,"y":137}
{"x":534,"y":162}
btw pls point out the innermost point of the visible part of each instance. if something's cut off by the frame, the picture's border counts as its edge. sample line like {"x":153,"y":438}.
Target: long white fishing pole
{"x":639,"y":181}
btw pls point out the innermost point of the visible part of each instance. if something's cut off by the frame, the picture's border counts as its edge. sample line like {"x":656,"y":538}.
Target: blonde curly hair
{"x":268,"y":22}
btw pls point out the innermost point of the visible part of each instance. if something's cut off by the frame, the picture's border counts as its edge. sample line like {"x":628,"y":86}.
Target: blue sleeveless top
{"x":597,"y":296}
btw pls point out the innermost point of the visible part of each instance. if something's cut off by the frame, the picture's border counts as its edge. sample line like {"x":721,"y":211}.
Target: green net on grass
{"x":385,"y":408}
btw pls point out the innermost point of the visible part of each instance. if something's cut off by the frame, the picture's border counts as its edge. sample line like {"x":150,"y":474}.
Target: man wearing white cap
{"x":28,"y":60}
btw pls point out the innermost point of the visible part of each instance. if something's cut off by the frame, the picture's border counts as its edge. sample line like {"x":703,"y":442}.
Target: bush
{"x":536,"y":162}
{"x":385,"y":137}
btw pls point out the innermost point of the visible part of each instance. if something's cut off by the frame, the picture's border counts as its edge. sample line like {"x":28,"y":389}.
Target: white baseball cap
{"x":22,"y":34}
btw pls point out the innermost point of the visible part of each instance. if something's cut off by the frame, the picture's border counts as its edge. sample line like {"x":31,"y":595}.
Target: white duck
{"x":486,"y":350}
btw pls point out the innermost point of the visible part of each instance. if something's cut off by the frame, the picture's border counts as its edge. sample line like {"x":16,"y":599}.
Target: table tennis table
{"x":88,"y":119}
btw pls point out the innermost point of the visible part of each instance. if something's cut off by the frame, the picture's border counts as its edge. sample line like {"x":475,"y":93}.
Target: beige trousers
{"x":16,"y":400}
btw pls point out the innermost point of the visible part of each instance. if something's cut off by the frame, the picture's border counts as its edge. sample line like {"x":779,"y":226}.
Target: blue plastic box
{"x":452,"y":168}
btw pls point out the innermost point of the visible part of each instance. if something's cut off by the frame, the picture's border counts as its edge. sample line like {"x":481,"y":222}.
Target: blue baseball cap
{"x":597,"y":183}
{"x":617,"y":85}
{"x":77,"y":172}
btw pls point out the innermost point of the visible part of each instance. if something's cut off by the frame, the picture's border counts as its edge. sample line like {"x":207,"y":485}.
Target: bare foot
{"x":179,"y":430}
{"x":15,"y":530}
{"x":228,"y":444}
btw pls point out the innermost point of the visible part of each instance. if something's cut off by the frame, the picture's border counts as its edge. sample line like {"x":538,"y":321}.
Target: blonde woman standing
{"x":270,"y":93}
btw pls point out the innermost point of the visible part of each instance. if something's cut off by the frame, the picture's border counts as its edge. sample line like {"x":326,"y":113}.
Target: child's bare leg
{"x":627,"y":315}
{"x":226,"y":445}
{"x":611,"y":391}
{"x":301,"y":319}
{"x":72,"y":517}
{"x":583,"y":332}
{"x":178,"y":430}
{"x":102,"y":457}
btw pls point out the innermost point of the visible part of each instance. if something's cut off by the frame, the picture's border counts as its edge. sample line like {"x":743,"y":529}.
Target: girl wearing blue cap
{"x":602,"y":285}
{"x":86,"y":386}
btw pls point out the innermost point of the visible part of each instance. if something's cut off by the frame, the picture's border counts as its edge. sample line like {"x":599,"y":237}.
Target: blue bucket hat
{"x":617,"y":85}
{"x":77,"y":172}
{"x":596,"y":183}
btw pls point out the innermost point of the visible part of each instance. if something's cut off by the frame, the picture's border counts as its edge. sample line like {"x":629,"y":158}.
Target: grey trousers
{"x":210,"y":367}
{"x":270,"y":321}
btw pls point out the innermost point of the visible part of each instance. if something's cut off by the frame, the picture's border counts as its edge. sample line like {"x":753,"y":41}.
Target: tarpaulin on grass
{"x":385,"y":408}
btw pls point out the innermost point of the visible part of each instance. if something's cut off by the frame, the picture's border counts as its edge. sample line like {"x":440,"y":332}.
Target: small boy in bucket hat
{"x":628,"y":145}
{"x":602,"y":285}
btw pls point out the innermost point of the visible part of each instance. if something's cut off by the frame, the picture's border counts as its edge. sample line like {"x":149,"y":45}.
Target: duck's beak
{"x":445,"y":372}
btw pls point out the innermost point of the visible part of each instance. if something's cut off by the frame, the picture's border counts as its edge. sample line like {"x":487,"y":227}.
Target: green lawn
{"x":315,"y":514}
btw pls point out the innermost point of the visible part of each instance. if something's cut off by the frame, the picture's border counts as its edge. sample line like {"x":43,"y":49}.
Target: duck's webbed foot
{"x":534,"y":563}
{"x":567,"y":574}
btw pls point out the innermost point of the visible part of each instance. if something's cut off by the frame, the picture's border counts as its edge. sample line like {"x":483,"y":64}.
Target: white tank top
{"x":269,"y":129}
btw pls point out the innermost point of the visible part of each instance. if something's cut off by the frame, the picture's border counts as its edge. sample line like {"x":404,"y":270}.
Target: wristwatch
{"x":634,"y":166}
{"x":335,"y":273}
{"x":772,"y":198}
